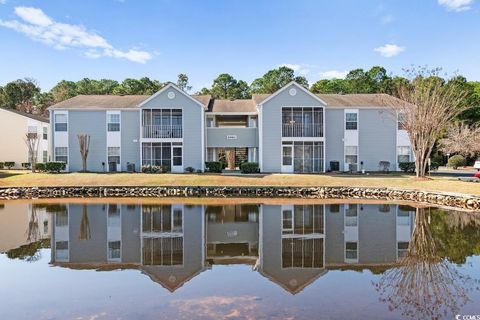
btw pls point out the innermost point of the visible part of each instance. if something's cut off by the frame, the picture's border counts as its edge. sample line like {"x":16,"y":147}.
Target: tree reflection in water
{"x":424,"y":285}
{"x":84,"y":225}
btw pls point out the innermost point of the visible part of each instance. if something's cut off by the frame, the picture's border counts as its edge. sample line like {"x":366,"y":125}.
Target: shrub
{"x":155,"y":169}
{"x":40,"y":166}
{"x":1,"y":165}
{"x":249,"y":167}
{"x":190,"y":169}
{"x":384,"y":166}
{"x":55,"y":166}
{"x":456,"y":161}
{"x":214,"y":166}
{"x":9,"y":164}
{"x":25,"y":165}
{"x":199,"y":170}
{"x":407,"y":166}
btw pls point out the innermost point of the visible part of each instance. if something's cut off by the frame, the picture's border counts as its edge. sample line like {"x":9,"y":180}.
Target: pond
{"x":236,"y":259}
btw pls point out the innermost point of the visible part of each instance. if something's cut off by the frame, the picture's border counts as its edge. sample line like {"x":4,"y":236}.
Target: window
{"x":253,"y":122}
{"x":402,"y":248}
{"x":351,"y":154}
{"x":351,"y":250}
{"x":61,"y":122}
{"x":32,"y":129}
{"x":334,"y":208}
{"x":403,"y":154}
{"x":401,"y":121}
{"x":113,"y":122}
{"x":45,"y":227}
{"x":287,"y":221}
{"x":114,"y":154}
{"x":287,"y":155}
{"x":302,"y":122}
{"x":210,"y":122}
{"x":61,"y":154}
{"x":351,"y":121}
{"x":177,"y":155}
{"x":210,"y":154}
{"x":45,"y":133}
{"x":114,"y":249}
{"x":351,"y":215}
{"x":45,"y":156}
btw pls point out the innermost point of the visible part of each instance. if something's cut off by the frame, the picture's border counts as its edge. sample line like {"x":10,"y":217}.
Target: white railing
{"x":162,"y":132}
{"x":302,"y":130}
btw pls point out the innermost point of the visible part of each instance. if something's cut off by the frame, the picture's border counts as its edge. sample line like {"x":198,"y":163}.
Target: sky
{"x":117,"y":39}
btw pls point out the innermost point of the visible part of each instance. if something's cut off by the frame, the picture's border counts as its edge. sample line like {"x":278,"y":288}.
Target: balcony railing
{"x":162,"y":132}
{"x":302,"y":130}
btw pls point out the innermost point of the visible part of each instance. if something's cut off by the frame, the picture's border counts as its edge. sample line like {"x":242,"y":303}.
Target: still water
{"x":237,"y":259}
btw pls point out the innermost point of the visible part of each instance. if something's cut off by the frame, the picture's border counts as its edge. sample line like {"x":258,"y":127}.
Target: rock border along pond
{"x":462,"y":201}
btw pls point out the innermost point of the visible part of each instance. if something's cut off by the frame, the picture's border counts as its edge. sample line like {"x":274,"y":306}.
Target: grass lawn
{"x":24,"y":178}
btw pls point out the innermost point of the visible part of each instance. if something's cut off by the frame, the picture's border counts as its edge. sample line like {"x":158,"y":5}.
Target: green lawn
{"x":24,"y":178}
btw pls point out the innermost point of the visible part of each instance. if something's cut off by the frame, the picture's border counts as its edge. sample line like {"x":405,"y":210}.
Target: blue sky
{"x":116,"y":39}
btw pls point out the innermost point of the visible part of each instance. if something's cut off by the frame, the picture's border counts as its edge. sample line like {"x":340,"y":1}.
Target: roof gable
{"x":169,"y":87}
{"x":292,"y":83}
{"x":28,"y":115}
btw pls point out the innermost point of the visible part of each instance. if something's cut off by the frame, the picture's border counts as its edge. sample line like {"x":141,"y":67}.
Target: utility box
{"x":334,"y":166}
{"x":130,"y":167}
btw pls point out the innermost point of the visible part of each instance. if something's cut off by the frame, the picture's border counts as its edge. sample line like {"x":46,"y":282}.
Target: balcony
{"x":162,"y":132}
{"x":232,"y":137}
{"x":302,"y":130}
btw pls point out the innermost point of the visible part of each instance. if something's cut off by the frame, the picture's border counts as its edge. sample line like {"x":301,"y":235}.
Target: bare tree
{"x":461,"y":139}
{"x":84,"y":142}
{"x":32,"y":141}
{"x":429,"y":105}
{"x":424,"y":285}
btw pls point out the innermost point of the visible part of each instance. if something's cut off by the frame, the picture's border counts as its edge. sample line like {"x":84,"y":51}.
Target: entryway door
{"x":287,"y":159}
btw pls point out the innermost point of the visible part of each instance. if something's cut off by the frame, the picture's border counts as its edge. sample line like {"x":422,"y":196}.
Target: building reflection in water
{"x":292,"y":245}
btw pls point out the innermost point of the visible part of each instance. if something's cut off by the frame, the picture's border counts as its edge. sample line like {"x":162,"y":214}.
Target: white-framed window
{"x":61,"y":124}
{"x":114,"y":154}
{"x":113,"y":122}
{"x":210,"y":122}
{"x":287,"y":221}
{"x":45,"y":156}
{"x":45,"y":133}
{"x":177,"y":151}
{"x":403,"y":154}
{"x":351,"y":121}
{"x":210,"y":154}
{"x":287,"y":155}
{"x":61,"y":154}
{"x":253,"y":122}
{"x":351,"y":215}
{"x":114,"y":250}
{"x":351,"y":250}
{"x":351,"y":154}
{"x":400,"y":121}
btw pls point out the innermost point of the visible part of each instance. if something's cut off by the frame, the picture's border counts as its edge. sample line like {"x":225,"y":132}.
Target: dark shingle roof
{"x":29,"y":115}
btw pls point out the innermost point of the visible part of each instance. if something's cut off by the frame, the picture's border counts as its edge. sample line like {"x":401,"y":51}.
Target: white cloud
{"x":301,"y":69}
{"x":389,"y":50}
{"x":38,"y":26}
{"x":456,"y":5}
{"x":333,"y":74}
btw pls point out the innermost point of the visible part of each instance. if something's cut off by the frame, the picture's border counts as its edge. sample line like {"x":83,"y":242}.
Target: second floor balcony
{"x":294,"y":129}
{"x":162,"y":131}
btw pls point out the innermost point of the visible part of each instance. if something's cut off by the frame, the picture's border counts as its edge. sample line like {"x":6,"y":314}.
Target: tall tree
{"x":275,"y":79}
{"x":329,"y":86}
{"x":226,"y":86}
{"x":182,"y":82}
{"x":64,"y":90}
{"x":429,"y":105}
{"x":19,"y":93}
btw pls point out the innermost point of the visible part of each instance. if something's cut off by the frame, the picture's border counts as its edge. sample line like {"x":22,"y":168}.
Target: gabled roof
{"x":241,"y":105}
{"x":302,"y":88}
{"x":169,"y":86}
{"x":101,"y":102}
{"x":360,"y":100}
{"x":28,"y":115}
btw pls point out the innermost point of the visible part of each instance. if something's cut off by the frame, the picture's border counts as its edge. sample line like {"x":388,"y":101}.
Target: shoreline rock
{"x":463,"y":201}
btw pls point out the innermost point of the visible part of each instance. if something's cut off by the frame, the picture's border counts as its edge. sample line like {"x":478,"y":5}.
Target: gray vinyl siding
{"x":334,"y":137}
{"x":272,"y":125}
{"x":377,"y":138}
{"x":192,"y":124}
{"x":131,"y":225}
{"x":246,"y":137}
{"x":92,"y":123}
{"x":130,"y":131}
{"x":334,"y":239}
